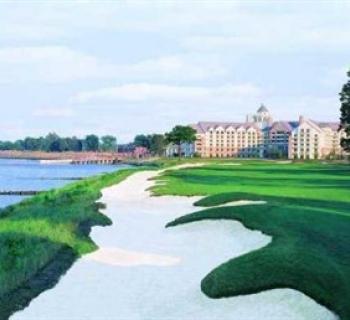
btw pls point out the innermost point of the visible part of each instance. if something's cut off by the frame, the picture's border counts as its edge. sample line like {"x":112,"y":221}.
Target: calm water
{"x":32,"y":175}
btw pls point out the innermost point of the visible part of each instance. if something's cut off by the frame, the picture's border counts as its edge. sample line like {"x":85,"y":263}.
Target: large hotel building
{"x":261,"y":137}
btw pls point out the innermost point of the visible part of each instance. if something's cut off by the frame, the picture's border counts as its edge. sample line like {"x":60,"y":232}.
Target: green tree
{"x":179,"y":135}
{"x":18,"y":145}
{"x":92,"y":143}
{"x":345,"y":114}
{"x":157,"y":144}
{"x":63,"y":144}
{"x":74,"y":144}
{"x":52,"y":143}
{"x":142,"y":140}
{"x":109,"y":143}
{"x":32,"y":144}
{"x":7,"y":145}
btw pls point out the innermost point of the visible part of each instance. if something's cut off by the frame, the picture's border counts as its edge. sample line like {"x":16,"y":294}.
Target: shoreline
{"x":41,"y":155}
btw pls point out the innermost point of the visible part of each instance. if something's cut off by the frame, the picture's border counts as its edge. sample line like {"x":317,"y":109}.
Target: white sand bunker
{"x":230,"y":164}
{"x":240,"y":203}
{"x":183,"y":166}
{"x":124,"y":258}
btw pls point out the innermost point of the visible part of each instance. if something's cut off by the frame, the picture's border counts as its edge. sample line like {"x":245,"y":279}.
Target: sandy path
{"x":145,"y":271}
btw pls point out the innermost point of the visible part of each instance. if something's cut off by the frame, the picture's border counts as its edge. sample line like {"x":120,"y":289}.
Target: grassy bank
{"x":42,"y":236}
{"x":307,"y":214}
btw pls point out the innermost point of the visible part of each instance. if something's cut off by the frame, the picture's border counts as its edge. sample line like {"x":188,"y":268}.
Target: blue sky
{"x":128,"y":67}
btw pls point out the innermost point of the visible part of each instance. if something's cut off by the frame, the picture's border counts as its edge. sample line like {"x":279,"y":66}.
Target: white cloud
{"x":182,"y":67}
{"x":145,"y":92}
{"x":54,"y":64}
{"x":53,"y":112}
{"x":47,"y":64}
{"x":272,"y":38}
{"x":37,"y":54}
{"x":54,"y":19}
{"x":148,"y":108}
{"x":260,"y":24}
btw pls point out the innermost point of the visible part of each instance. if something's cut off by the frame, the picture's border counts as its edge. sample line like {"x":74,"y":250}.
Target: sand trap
{"x":126,"y":258}
{"x":240,"y":203}
{"x":182,"y":166}
{"x":284,"y":162}
{"x":230,"y":164}
{"x":145,"y":271}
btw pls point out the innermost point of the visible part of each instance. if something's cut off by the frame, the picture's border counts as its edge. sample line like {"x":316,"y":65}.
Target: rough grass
{"x":42,"y":236}
{"x":307,"y":214}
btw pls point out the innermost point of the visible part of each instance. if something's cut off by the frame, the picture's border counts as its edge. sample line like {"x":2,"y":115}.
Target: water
{"x":23,"y":175}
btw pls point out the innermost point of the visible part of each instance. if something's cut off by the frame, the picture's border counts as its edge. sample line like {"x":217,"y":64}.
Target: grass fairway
{"x":42,"y":236}
{"x":307,"y":213}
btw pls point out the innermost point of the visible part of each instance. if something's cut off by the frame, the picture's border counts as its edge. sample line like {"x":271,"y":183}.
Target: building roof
{"x":284,"y":126}
{"x":204,"y":126}
{"x":323,"y":125}
{"x":333,"y":125}
{"x":262,"y":109}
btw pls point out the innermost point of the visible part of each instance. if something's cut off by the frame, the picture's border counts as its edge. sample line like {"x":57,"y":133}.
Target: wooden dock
{"x":99,"y":161}
{"x":19,"y":193}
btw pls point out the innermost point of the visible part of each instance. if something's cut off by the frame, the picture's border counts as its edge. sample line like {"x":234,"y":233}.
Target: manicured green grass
{"x":307,"y":214}
{"x":35,"y":232}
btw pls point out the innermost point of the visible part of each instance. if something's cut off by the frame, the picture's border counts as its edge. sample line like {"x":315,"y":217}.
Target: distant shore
{"x":40,"y":155}
{"x":90,"y":157}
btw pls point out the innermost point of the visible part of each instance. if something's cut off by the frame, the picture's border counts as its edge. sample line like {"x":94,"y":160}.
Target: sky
{"x":130,"y":67}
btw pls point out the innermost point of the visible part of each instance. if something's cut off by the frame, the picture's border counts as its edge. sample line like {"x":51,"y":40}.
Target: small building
{"x":187,"y":150}
{"x":140,"y":153}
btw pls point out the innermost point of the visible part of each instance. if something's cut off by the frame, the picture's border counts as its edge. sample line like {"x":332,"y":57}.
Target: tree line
{"x":54,"y":143}
{"x":157,"y":143}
